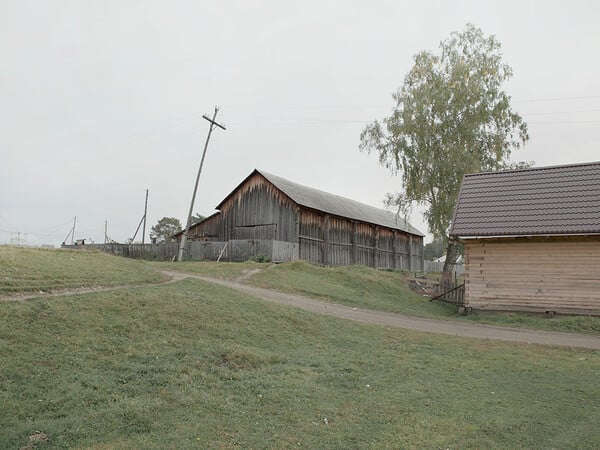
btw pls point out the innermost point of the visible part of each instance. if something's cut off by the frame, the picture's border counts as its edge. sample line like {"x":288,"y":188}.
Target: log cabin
{"x":531,"y":239}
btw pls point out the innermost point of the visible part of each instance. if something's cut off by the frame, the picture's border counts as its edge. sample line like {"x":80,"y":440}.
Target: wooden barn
{"x":532,"y":239}
{"x":323,"y":228}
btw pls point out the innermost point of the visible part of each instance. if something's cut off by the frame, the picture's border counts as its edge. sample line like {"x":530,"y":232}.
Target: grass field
{"x":374,"y":289}
{"x":28,"y":269}
{"x":195,"y":365}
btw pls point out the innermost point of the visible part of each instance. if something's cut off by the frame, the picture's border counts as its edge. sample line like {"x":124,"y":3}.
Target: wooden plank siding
{"x":259,"y":210}
{"x":336,"y":241}
{"x":534,"y":274}
{"x":210,"y":229}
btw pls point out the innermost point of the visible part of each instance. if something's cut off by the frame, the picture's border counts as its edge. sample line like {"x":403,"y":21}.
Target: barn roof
{"x":334,"y":204}
{"x":557,"y":200}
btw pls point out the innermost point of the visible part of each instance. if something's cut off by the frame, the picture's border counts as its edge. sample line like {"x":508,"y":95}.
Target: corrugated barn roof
{"x":558,"y":200}
{"x":337,"y":205}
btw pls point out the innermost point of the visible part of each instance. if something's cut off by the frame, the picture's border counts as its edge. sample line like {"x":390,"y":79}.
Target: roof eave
{"x":527,"y":235}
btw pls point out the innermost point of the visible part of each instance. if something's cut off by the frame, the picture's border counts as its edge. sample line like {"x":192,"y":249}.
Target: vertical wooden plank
{"x":395,"y":250}
{"x":353,"y":243}
{"x":325,"y":230}
{"x":375,"y":247}
{"x":410,"y":260}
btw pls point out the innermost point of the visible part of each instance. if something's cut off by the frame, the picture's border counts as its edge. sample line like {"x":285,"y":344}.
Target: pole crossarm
{"x":212,"y":121}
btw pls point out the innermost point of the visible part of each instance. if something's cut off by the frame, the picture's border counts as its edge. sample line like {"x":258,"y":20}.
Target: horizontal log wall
{"x":534,"y":274}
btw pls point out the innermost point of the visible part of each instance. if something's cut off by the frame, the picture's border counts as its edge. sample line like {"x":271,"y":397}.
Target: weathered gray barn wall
{"x":334,"y":241}
{"x":257,"y":210}
{"x":211,"y":229}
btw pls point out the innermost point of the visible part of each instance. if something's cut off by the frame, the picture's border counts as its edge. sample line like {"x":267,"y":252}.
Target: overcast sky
{"x":101,"y":100}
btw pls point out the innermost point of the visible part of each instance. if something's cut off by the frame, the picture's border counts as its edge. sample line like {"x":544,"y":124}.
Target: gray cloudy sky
{"x":102,"y":100}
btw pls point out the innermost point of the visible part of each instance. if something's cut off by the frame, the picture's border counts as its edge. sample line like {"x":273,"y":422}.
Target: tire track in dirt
{"x":24,"y":296}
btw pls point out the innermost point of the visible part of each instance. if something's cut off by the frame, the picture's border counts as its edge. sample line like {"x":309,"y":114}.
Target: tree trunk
{"x":452,"y":254}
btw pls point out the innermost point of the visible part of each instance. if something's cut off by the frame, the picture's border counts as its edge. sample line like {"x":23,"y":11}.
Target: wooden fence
{"x":232,"y":250}
{"x":435,"y":266}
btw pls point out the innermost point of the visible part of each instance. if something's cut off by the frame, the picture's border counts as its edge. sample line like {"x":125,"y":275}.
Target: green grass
{"x":387,"y":291}
{"x":195,"y":365}
{"x":222,"y":270}
{"x":28,"y":269}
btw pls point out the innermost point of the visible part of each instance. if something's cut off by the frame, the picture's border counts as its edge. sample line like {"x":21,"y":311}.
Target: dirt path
{"x":448,"y":327}
{"x":24,"y":296}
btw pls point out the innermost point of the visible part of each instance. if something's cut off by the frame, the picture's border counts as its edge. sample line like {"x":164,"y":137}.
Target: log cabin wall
{"x":535,"y":274}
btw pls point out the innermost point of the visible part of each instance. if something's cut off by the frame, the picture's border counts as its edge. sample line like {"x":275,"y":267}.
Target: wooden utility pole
{"x":183,"y":241}
{"x":142,"y":221}
{"x":145,"y":212}
{"x":73,"y":231}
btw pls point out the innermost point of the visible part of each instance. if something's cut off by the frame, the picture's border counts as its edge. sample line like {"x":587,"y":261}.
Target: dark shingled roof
{"x":334,"y":204}
{"x":558,"y":200}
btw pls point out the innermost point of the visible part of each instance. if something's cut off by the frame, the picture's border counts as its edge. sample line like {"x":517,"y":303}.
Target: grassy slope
{"x":196,"y":365}
{"x":387,"y":291}
{"x":27,"y":269}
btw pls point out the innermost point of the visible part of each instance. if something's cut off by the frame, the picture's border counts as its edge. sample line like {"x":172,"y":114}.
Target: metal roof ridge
{"x":534,"y":169}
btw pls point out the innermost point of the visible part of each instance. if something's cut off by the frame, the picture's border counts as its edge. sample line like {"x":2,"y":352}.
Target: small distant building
{"x":532,"y":239}
{"x":312,"y":225}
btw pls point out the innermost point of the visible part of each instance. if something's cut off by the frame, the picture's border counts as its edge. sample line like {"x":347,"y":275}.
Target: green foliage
{"x":195,"y":365}
{"x":450,"y":117}
{"x":260,"y":259}
{"x":165,"y":228}
{"x":434,"y":249}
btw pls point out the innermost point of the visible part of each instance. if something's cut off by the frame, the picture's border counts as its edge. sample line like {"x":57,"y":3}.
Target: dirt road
{"x":449,"y":327}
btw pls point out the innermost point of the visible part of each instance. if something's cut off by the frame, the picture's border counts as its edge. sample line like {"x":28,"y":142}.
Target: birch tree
{"x":450,"y":117}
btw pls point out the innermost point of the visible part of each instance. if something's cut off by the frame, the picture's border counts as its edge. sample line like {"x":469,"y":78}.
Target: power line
{"x":556,"y":99}
{"x":562,"y":112}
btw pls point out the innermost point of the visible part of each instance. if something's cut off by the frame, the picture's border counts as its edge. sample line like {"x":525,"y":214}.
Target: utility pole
{"x":213,"y":123}
{"x":105,"y":231}
{"x":145,"y":212}
{"x":73,"y":231}
{"x":142,"y":221}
